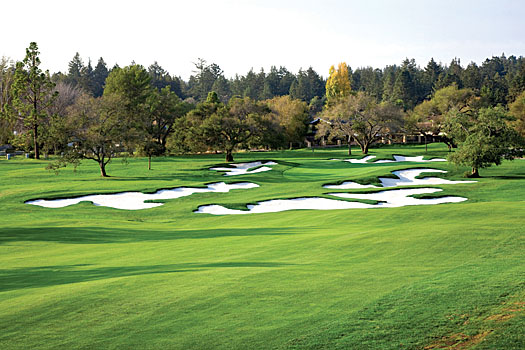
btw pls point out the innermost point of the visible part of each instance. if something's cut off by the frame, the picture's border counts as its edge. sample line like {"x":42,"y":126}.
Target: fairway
{"x":165,"y":277}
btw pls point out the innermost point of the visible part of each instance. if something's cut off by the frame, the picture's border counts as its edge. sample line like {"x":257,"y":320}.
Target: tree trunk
{"x":103,"y":169}
{"x":291,"y":145}
{"x":149,"y":162}
{"x":475,"y":172}
{"x":349,"y":145}
{"x":35,"y":140}
{"x":364,"y":148}
{"x":229,"y":155}
{"x":426,"y":148}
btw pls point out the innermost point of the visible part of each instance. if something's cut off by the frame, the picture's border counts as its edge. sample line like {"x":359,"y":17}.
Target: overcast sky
{"x":239,"y":35}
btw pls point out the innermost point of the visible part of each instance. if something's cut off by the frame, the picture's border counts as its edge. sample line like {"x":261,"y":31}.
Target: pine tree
{"x":33,"y":92}
{"x":100,"y":73}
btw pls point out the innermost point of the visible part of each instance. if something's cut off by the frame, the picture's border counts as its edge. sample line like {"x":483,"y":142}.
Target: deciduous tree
{"x":362,"y":118}
{"x":338,"y":83}
{"x":484,"y":138}
{"x":95,"y":127}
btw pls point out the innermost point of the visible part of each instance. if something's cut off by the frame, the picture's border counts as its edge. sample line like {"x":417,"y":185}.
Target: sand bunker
{"x":244,"y":168}
{"x":386,"y":199}
{"x":389,"y":199}
{"x":135,"y":200}
{"x":405,"y":178}
{"x":365,"y":160}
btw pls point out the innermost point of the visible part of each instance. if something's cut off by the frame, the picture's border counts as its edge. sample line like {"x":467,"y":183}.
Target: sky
{"x":240,"y":35}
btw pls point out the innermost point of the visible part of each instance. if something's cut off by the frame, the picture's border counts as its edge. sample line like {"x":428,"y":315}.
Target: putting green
{"x":88,"y":277}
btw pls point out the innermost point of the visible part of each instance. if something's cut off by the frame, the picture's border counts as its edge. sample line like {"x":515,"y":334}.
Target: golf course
{"x":172,"y":275}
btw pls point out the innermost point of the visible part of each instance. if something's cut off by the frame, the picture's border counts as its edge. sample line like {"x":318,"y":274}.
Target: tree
{"x":517,"y":110}
{"x":484,"y":138}
{"x":494,"y":91}
{"x":54,"y":133}
{"x":205,"y":75}
{"x":389,"y":78}
{"x":76,"y":67}
{"x":337,"y":122}
{"x":407,"y":90}
{"x":164,"y":107}
{"x":431,"y":75}
{"x":32,"y":93}
{"x":189,"y":136}
{"x":338,"y":83}
{"x":95,"y":127}
{"x":100,"y":73}
{"x":472,"y":77}
{"x":7,"y":120}
{"x":424,"y":119}
{"x":132,"y":85}
{"x":222,"y":87}
{"x":292,"y":116}
{"x":370,"y":81}
{"x":429,"y":116}
{"x":214,"y":126}
{"x":362,"y":118}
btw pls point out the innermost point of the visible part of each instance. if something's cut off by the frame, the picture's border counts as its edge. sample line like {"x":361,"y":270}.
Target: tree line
{"x":98,"y":112}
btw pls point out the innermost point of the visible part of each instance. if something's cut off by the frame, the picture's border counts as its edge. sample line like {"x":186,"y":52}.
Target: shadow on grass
{"x":510,"y":177}
{"x":46,"y":276}
{"x":99,"y":235}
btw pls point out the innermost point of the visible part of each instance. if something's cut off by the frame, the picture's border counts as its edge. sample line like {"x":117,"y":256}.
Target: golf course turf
{"x":92,"y":277}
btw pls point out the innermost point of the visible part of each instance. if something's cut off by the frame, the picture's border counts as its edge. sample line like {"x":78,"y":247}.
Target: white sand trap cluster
{"x":386,"y":199}
{"x":244,"y":168}
{"x":365,"y":160}
{"x":136,"y":200}
{"x":405,"y":178}
{"x":389,"y":199}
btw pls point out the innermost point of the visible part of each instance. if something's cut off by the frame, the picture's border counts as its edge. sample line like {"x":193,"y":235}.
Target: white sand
{"x":244,"y":168}
{"x":135,"y":200}
{"x":401,"y":197}
{"x":392,"y":198}
{"x":387,"y":199}
{"x":418,"y":159}
{"x":358,"y":161}
{"x":405,"y":178}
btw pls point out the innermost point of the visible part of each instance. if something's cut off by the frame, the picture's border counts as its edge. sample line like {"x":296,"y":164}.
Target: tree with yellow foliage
{"x":338,"y":83}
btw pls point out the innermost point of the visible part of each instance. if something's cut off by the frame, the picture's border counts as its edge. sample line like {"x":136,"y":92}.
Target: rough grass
{"x":86,"y":277}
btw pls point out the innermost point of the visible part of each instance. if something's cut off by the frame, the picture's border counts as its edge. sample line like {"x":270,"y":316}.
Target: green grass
{"x":87,"y":277}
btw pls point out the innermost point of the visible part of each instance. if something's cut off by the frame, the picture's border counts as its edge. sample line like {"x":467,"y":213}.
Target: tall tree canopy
{"x":484,"y":138}
{"x":338,"y":82}
{"x":361,"y":117}
{"x":33,"y":93}
{"x":96,"y":127}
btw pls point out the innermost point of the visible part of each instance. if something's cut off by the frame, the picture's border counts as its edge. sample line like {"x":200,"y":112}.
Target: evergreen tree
{"x":389,"y":78}
{"x":370,"y":81}
{"x":431,"y":76}
{"x":76,"y":67}
{"x":472,"y":77}
{"x":222,"y":87}
{"x":301,"y":88}
{"x":517,"y":83}
{"x":100,"y":73}
{"x":286,"y":79}
{"x":7,"y":118}
{"x":406,"y":90}
{"x":33,"y":93}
